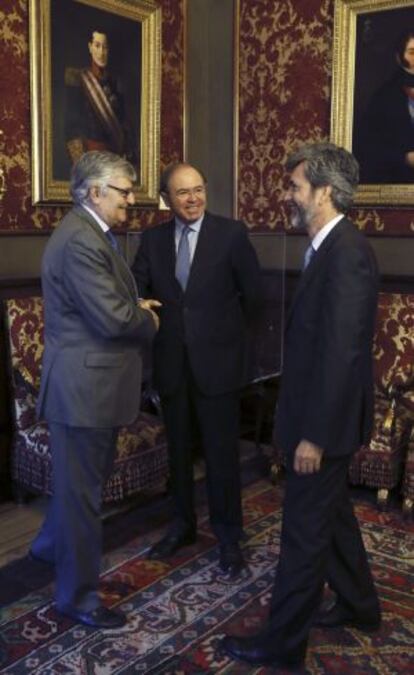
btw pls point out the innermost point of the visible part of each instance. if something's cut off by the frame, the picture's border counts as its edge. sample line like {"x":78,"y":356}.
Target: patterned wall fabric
{"x":285,"y":77}
{"x":285,"y":51}
{"x":16,"y":211}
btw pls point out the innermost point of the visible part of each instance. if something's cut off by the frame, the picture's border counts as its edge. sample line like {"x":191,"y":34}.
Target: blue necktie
{"x":113,"y":241}
{"x":309,"y":253}
{"x":183,"y":261}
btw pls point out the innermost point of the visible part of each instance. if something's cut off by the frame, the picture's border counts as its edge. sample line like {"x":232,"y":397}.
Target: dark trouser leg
{"x":348,"y":572}
{"x":309,"y":521}
{"x":179,"y":421}
{"x":43,"y":546}
{"x":81,"y":457}
{"x":218,"y":418}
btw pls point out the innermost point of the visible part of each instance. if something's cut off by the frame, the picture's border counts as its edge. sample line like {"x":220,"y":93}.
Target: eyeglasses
{"x":122,"y":191}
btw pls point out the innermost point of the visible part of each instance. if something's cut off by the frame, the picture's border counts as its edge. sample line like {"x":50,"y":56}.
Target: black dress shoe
{"x":101,"y":617}
{"x":170,"y":544}
{"x":254,"y":651}
{"x":231,"y":559}
{"x":338,"y":615}
{"x":38,"y":558}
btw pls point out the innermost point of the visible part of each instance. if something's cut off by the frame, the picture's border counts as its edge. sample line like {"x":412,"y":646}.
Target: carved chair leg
{"x":382,"y":497}
{"x":275,"y":471}
{"x":407,"y":507}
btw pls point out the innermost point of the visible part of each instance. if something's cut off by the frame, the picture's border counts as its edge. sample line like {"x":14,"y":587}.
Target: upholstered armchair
{"x":381,"y":463}
{"x":408,"y":478}
{"x":141,"y":461}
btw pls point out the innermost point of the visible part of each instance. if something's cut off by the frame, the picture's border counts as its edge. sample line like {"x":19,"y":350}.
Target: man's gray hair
{"x":97,"y":168}
{"x":328,"y":164}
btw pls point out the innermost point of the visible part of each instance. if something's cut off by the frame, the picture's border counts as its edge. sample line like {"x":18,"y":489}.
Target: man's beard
{"x":299,"y":217}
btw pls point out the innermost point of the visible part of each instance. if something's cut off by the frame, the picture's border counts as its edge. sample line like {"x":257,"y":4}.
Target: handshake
{"x":149,"y":305}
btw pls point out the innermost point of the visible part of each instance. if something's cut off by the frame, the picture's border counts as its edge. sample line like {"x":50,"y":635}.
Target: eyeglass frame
{"x":125,"y":192}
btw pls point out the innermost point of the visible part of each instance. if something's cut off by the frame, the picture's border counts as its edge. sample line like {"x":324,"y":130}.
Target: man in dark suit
{"x":324,"y":414}
{"x":91,"y":375}
{"x":203,"y":270}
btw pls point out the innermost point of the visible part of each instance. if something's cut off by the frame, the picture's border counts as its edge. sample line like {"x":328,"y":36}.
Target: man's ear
{"x":95,"y":194}
{"x":326,"y":192}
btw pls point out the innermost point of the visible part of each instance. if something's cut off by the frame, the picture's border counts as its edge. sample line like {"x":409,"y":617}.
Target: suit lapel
{"x":167,"y":255}
{"x":119,"y":260}
{"x":315,"y":263}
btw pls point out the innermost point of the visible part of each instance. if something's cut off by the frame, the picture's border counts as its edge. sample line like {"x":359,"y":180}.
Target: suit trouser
{"x":320,"y":541}
{"x":71,"y":535}
{"x":217,"y":420}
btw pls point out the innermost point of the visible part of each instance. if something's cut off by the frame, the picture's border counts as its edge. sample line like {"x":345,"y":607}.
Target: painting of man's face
{"x":98,"y":49}
{"x":408,"y":61}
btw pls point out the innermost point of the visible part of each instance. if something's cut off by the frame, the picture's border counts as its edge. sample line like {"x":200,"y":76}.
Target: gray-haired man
{"x":91,"y":375}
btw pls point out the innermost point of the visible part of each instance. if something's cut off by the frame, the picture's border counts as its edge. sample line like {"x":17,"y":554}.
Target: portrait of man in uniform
{"x":383,"y":130}
{"x":372,"y":112}
{"x":95,"y":117}
{"x":96,"y":83}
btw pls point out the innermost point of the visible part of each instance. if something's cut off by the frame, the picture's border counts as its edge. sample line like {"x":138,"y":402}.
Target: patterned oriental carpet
{"x":178,"y":612}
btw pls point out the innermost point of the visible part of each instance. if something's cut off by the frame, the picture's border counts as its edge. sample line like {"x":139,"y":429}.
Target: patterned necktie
{"x":183,"y":261}
{"x":113,"y":241}
{"x":309,"y":253}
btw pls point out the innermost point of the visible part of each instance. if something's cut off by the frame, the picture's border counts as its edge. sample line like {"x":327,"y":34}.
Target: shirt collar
{"x":324,"y":231}
{"x":194,"y":226}
{"x":99,"y":220}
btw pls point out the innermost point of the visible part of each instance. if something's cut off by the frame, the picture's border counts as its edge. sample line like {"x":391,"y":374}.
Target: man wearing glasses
{"x":203,"y":271}
{"x":91,"y":376}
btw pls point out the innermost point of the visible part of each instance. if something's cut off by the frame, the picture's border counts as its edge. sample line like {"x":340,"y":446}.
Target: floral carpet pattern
{"x":179,"y":611}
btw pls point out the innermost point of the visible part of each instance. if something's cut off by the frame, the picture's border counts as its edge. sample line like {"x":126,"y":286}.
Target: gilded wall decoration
{"x":16,"y":211}
{"x":285,"y":72}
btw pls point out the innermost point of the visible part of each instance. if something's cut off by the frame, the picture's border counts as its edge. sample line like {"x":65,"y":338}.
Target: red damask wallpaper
{"x":284,"y":100}
{"x":16,"y":212}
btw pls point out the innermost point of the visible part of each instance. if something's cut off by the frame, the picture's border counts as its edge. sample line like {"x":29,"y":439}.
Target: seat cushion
{"x":141,"y":460}
{"x":380,"y":463}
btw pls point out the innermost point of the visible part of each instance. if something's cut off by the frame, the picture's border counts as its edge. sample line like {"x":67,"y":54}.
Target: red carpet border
{"x":179,"y":611}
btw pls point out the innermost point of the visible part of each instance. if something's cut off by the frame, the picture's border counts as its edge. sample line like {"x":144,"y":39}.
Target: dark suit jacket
{"x":210,"y":318}
{"x":91,"y":374}
{"x":326,"y":394}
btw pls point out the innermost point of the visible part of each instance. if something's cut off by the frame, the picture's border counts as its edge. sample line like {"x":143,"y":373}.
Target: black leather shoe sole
{"x":101,"y":617}
{"x":167,"y":546}
{"x":232,"y":569}
{"x":337,"y":619}
{"x":256,"y":656}
{"x":231,"y":560}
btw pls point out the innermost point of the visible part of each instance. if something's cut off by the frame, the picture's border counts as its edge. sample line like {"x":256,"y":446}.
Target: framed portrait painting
{"x":372,"y":111}
{"x":95,"y":85}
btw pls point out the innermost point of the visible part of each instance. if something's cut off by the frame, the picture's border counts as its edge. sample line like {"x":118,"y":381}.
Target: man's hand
{"x":308,"y":457}
{"x":148,"y":305}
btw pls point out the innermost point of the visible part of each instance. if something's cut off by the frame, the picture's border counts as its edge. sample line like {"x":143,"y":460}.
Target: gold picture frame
{"x":64,"y":101}
{"x":366,"y":83}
